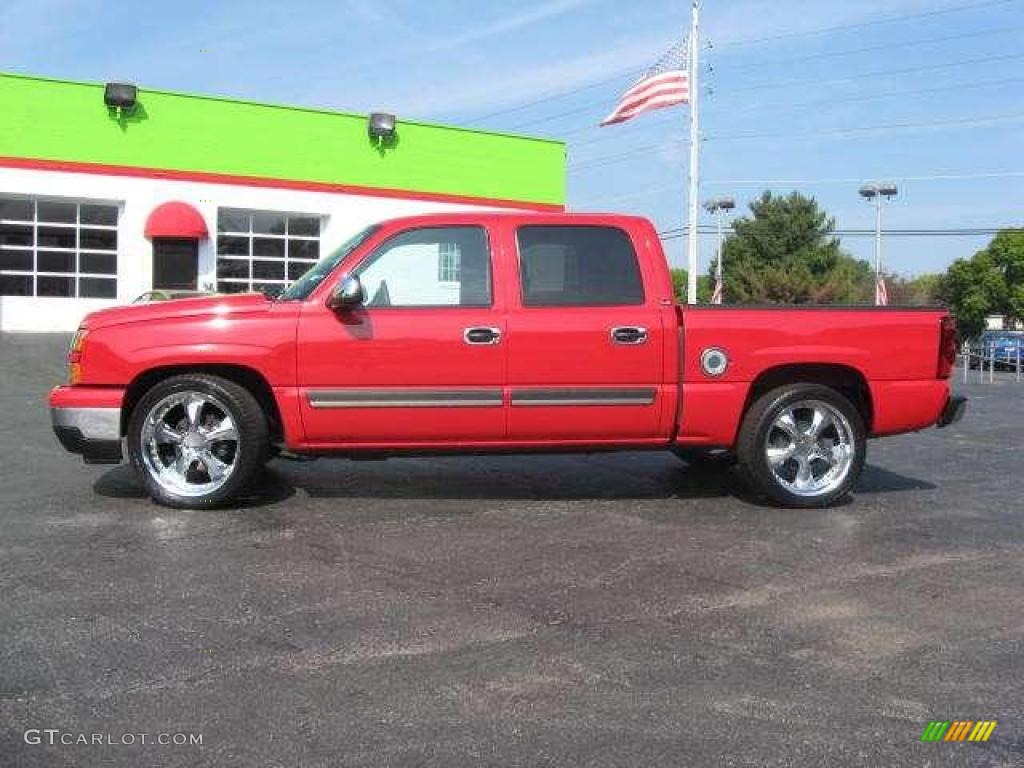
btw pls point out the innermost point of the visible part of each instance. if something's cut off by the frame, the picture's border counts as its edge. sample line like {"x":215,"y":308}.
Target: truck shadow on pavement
{"x":529,"y":478}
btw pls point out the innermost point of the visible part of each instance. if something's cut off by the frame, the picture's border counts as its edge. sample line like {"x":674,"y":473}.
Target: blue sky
{"x":796,"y":111}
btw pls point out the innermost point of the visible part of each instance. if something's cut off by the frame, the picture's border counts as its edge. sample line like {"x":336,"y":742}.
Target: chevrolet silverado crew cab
{"x":497,"y":332}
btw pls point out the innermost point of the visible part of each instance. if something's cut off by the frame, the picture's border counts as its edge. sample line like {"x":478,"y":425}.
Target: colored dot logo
{"x":959,"y":730}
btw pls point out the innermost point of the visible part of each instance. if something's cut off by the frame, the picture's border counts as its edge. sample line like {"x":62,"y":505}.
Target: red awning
{"x":176,"y":219}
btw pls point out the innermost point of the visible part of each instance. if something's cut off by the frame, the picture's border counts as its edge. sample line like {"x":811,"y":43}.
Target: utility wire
{"x":634,"y":71}
{"x":804,"y":81}
{"x":864,"y":24}
{"x":991,"y":119}
{"x":822,"y":103}
{"x":874,"y":73}
{"x":811,"y":182}
{"x":977,"y":232}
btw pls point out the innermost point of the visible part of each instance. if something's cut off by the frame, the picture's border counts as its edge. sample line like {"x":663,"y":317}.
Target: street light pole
{"x":874,"y":193}
{"x":719,"y":207}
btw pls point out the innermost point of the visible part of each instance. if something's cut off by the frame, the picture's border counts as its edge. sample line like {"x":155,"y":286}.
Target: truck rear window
{"x":578,"y":266}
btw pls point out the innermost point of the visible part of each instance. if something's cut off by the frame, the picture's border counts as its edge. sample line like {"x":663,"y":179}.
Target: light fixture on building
{"x":381,"y":127}
{"x":120,"y":96}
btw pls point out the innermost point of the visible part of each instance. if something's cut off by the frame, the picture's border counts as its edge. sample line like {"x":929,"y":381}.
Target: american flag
{"x":881,"y":292}
{"x":716,"y":295}
{"x":665,"y":84}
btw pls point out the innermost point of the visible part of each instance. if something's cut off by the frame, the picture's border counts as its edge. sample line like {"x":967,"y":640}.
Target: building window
{"x":57,"y":248}
{"x":259,"y":249}
{"x":448,"y":263}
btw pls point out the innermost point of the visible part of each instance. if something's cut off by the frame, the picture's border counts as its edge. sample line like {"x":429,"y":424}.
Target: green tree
{"x":785,"y":253}
{"x":914,"y":291}
{"x":704,"y":285}
{"x":989,"y":283}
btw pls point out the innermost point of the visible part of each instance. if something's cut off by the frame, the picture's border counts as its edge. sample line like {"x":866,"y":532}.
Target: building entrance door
{"x":175,"y":264}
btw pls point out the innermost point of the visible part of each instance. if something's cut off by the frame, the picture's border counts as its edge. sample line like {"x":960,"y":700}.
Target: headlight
{"x":75,"y":357}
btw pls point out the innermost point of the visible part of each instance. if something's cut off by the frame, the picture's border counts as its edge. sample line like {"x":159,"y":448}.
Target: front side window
{"x":261,"y":249}
{"x":58,"y":248}
{"x":430,"y":267}
{"x":578,"y":266}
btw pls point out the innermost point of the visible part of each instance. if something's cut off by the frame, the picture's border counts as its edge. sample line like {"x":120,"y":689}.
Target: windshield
{"x":305,"y":285}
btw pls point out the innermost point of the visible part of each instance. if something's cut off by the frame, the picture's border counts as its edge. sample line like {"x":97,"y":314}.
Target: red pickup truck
{"x":498,"y":332}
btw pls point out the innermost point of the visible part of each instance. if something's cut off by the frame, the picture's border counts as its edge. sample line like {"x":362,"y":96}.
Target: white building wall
{"x":343,"y":216}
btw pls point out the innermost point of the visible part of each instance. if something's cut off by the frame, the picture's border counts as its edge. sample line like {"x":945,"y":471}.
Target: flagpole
{"x":691,"y":280}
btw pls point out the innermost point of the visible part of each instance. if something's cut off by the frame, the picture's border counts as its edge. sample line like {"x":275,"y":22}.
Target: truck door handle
{"x":482,"y":335}
{"x":629,"y":335}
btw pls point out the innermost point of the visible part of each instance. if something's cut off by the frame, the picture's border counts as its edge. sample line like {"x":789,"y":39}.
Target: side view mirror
{"x":347,"y":294}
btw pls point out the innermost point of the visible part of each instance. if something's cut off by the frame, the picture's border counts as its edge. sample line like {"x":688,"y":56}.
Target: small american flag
{"x":881,"y":292}
{"x":716,"y":295}
{"x":665,"y":84}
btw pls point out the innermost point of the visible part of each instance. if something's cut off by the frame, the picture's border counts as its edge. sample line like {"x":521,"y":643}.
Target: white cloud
{"x":479,"y":92}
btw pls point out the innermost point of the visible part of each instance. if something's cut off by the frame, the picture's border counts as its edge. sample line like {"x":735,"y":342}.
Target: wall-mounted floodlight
{"x":120,"y":96}
{"x":381,"y":127}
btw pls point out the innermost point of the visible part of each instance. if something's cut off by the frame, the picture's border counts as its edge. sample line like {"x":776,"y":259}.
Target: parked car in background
{"x":487,"y":332}
{"x":167,"y":295}
{"x":1003,"y":348}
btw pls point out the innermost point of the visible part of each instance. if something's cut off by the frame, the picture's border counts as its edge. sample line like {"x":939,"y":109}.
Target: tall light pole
{"x":874,"y":193}
{"x":718,"y":207}
{"x":693,"y":203}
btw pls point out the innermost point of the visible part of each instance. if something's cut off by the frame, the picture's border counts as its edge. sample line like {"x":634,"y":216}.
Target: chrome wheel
{"x":810,"y":448}
{"x":190,"y":443}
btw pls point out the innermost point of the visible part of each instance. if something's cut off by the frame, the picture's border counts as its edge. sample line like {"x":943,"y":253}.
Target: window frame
{"x":523,"y":303}
{"x":76,"y":275}
{"x":253,"y":283}
{"x":380,"y":247}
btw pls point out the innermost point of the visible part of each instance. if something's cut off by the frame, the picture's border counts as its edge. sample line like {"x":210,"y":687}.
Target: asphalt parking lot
{"x":608,"y":610}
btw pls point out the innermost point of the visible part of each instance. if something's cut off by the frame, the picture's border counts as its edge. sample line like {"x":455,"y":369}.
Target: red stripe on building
{"x":71,"y":166}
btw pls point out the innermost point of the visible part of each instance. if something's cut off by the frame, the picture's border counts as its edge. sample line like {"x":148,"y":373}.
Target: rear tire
{"x":802,"y":445}
{"x":197,"y":441}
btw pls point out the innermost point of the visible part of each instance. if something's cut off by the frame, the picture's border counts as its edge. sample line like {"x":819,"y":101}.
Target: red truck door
{"x":586,"y":341}
{"x":423,"y":361}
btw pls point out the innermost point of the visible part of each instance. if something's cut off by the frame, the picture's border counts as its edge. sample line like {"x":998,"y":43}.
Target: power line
{"x":707,"y":229}
{"x":874,"y":73}
{"x":814,"y":81}
{"x":863,"y":24}
{"x":813,"y":182}
{"x":555,"y":95}
{"x":826,"y":102}
{"x":873,"y":48}
{"x":990,"y":119}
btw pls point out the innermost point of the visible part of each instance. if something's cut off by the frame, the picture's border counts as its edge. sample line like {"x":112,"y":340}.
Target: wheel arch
{"x":843,"y":378}
{"x":242,"y":375}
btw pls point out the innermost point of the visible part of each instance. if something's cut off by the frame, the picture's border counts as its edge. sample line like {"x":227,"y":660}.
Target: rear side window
{"x":578,"y":267}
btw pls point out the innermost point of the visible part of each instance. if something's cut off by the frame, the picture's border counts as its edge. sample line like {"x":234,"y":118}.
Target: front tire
{"x":802,"y":445}
{"x":197,"y":440}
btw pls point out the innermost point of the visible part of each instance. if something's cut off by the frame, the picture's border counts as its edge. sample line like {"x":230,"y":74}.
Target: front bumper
{"x":88,"y":422}
{"x":953,"y":412}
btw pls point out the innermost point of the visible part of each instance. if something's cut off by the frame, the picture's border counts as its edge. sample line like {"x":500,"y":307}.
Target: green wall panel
{"x":61,"y":120}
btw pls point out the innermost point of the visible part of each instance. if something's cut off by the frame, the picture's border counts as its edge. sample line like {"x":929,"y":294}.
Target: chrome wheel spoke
{"x":787,"y":423}
{"x":165,"y":434}
{"x":804,"y":474}
{"x":215,"y":468}
{"x":193,"y":407}
{"x":779,"y":456}
{"x":182,"y":462}
{"x":820,"y":421}
{"x":225,"y":430}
